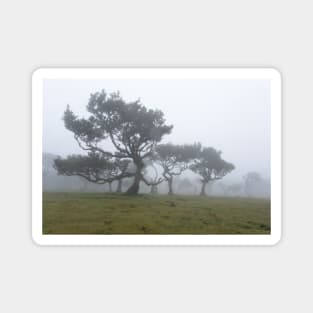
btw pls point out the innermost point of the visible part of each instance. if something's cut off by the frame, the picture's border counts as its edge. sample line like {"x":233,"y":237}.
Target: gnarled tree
{"x":93,"y":167}
{"x":132,"y":129}
{"x":210,"y":166}
{"x":174,"y":159}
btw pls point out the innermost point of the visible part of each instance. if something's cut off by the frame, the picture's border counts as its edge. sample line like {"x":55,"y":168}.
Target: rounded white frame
{"x":156,"y":73}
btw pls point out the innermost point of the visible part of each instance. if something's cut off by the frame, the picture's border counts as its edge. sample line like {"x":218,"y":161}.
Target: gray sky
{"x":229,"y":115}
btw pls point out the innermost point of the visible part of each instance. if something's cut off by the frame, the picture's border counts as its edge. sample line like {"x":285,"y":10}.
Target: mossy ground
{"x":96,"y":213}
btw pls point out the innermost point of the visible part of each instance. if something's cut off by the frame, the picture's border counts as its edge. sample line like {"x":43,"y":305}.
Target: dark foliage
{"x":210,"y":166}
{"x":174,"y":159}
{"x":94,"y":167}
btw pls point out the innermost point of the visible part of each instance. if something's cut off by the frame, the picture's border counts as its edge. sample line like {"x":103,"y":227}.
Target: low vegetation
{"x":99,"y":213}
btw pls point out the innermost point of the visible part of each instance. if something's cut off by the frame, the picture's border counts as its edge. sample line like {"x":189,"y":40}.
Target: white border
{"x":156,"y":73}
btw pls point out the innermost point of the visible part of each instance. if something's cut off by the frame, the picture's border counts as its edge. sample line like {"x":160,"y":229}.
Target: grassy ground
{"x":96,"y":213}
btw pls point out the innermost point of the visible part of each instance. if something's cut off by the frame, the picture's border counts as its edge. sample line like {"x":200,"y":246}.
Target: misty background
{"x":230,"y":115}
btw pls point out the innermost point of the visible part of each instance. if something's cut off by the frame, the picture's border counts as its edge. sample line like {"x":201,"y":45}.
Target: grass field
{"x":97,"y":213}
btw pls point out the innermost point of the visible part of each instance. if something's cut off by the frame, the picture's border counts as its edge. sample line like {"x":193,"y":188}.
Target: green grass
{"x":96,"y":213}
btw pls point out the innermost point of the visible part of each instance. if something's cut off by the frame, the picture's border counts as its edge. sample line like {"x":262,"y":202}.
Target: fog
{"x":229,"y":115}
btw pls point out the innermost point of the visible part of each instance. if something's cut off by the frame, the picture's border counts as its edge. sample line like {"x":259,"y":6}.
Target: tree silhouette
{"x":210,"y":166}
{"x":251,"y":182}
{"x":174,"y":159}
{"x":94,"y":167}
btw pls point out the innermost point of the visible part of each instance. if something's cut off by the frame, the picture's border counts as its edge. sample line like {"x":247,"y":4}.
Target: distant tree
{"x":210,"y":166}
{"x":84,"y":184}
{"x":232,"y":189}
{"x":126,"y":170}
{"x":153,"y":176}
{"x":174,"y":159}
{"x":47,"y":164}
{"x":185,"y":185}
{"x":252,"y":181}
{"x":119,"y":185}
{"x":131,"y":127}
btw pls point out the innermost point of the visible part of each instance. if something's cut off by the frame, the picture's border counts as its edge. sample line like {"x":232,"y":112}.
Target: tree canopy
{"x":252,"y":182}
{"x":174,"y":159}
{"x":210,"y":166}
{"x":94,"y":167}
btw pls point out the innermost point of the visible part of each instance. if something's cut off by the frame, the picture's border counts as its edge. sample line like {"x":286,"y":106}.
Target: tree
{"x":93,"y":167}
{"x":231,"y":189}
{"x":47,"y":164}
{"x":126,"y":171}
{"x":210,"y":166}
{"x":132,"y":129}
{"x":152,"y":173}
{"x":174,"y":159}
{"x":256,"y":186}
{"x":185,"y":186}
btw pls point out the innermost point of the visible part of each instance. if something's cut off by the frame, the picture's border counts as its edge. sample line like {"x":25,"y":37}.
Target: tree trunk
{"x":119,"y":186}
{"x":134,"y":188}
{"x":110,"y":187}
{"x":170,"y":186}
{"x":202,"y":193}
{"x":154,"y":189}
